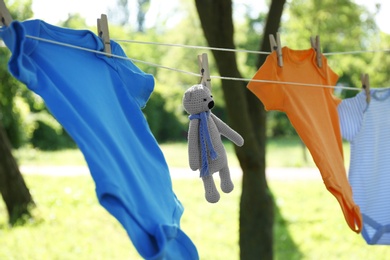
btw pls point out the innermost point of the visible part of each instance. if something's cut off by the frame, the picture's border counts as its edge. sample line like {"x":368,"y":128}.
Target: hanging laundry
{"x":98,"y":100}
{"x":366,"y":127}
{"x":313,"y":113}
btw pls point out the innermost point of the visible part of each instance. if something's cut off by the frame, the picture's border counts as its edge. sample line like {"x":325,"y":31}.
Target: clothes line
{"x":286,"y":83}
{"x":187,"y":72}
{"x":193,"y":46}
{"x":112,"y":55}
{"x":240,"y":50}
{"x":355,"y":52}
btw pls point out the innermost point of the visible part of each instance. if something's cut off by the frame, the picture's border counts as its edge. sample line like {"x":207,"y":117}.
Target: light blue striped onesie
{"x":367,"y":128}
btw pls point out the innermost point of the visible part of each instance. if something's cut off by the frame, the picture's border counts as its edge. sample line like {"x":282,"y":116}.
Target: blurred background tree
{"x":248,"y":117}
{"x":13,"y":110}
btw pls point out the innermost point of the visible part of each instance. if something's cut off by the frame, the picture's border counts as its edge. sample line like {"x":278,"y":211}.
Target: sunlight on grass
{"x":282,"y":152}
{"x":176,"y":154}
{"x":212,"y":227}
{"x":291,"y":152}
{"x":316,"y":223}
{"x":31,"y":156}
{"x":73,"y":225}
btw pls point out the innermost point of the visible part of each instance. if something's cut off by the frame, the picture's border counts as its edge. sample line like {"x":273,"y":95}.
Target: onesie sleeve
{"x":350,"y":113}
{"x":20,"y":65}
{"x":333,"y":78}
{"x":270,"y":94}
{"x":138,"y":84}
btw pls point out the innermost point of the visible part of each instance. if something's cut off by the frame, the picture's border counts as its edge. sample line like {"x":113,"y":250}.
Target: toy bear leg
{"x":211,"y":193}
{"x":226,"y":181}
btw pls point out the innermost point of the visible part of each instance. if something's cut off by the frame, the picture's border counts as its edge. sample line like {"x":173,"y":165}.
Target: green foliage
{"x":48,"y":134}
{"x":248,"y":36}
{"x":163,"y":123}
{"x":279,"y":125}
{"x":336,"y":23}
{"x":75,"y":21}
{"x":379,"y":63}
{"x":12,"y":107}
{"x":20,"y":9}
{"x":343,"y":26}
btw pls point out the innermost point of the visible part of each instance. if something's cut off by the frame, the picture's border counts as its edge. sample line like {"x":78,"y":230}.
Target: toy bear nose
{"x":211,"y":104}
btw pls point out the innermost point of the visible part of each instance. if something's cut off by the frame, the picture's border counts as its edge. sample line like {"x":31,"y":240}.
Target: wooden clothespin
{"x":276,"y":46}
{"x":366,"y":86}
{"x":5,"y":16}
{"x":315,"y":44}
{"x":102,"y":26}
{"x":203,"y":62}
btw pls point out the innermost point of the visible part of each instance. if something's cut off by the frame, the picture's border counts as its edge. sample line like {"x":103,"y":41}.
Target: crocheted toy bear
{"x":205,"y":148}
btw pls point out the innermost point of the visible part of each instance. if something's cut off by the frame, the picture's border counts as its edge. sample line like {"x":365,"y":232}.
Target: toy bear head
{"x":198,"y":99}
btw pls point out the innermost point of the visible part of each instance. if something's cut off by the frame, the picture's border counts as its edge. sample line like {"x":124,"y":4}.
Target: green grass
{"x":175,"y":153}
{"x":282,"y":152}
{"x":290,"y":152}
{"x":30,"y":156}
{"x":71,"y":224}
{"x":316,"y":224}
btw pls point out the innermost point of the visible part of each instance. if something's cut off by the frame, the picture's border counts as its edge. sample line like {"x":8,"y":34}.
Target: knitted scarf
{"x":205,"y":142}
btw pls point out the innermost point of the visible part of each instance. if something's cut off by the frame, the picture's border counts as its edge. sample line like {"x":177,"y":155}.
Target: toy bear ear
{"x":187,"y":96}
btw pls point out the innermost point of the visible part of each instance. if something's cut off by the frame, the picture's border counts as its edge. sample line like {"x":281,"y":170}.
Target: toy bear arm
{"x":227,"y":131}
{"x":193,"y":145}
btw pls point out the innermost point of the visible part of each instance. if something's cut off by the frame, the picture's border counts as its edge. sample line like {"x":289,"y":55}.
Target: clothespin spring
{"x":103,"y":33}
{"x":204,"y":70}
{"x":5,"y":16}
{"x":366,"y":86}
{"x":277,"y":46}
{"x":316,"y":45}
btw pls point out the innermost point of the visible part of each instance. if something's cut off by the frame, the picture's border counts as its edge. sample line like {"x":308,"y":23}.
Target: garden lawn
{"x":71,"y":224}
{"x":281,"y":152}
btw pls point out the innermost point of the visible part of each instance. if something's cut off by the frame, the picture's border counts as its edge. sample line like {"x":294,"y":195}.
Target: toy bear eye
{"x":205,"y":99}
{"x":211,"y":96}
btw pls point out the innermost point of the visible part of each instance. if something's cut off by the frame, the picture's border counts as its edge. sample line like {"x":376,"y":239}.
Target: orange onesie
{"x":313,"y":113}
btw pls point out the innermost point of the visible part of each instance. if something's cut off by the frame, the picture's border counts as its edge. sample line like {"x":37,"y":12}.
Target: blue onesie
{"x":367,"y":128}
{"x":98,"y":100}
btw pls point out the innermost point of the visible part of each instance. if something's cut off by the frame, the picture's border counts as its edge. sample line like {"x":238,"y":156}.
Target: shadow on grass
{"x":284,"y":245}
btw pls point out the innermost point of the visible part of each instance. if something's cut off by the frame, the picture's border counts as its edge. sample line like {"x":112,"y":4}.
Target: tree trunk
{"x":15,"y":193}
{"x":247,"y":116}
